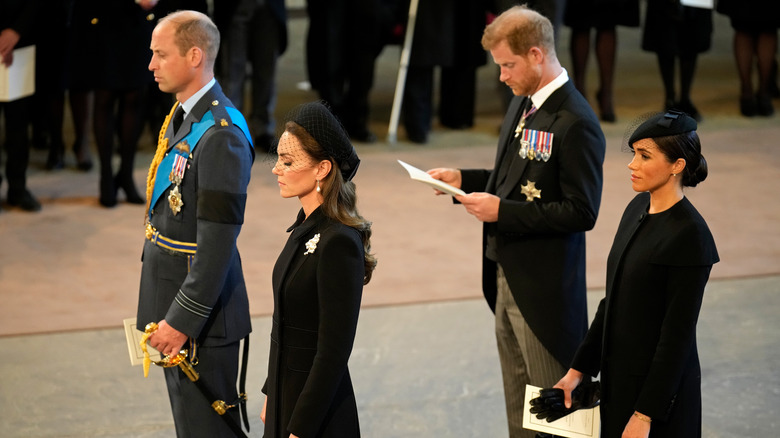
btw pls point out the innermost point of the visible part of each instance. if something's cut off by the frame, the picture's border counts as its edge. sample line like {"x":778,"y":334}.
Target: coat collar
{"x":198,"y":111}
{"x":304,"y":225}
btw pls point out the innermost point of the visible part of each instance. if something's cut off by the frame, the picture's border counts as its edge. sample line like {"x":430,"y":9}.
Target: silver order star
{"x":311,"y":245}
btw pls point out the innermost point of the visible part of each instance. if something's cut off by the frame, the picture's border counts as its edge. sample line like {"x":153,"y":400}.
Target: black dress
{"x":673,"y":29}
{"x":318,"y":285}
{"x":585,"y":14}
{"x":751,"y":15}
{"x":643,"y":337}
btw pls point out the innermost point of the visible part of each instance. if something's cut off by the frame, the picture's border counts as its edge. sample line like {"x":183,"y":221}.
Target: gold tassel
{"x":162,"y":146}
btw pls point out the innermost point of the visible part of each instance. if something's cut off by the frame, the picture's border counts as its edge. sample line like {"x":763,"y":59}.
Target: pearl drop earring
{"x":318,"y":186}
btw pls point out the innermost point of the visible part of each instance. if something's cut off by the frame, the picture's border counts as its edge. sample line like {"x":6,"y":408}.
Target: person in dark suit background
{"x":342,"y":43}
{"x":446,"y":37}
{"x":318,"y":282}
{"x":17,"y":21}
{"x":536,"y":204}
{"x":643,"y":337}
{"x":52,"y":67}
{"x":192,"y":282}
{"x":254,"y":32}
{"x":112,"y":40}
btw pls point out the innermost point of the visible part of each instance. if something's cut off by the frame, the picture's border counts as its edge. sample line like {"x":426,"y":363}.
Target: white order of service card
{"x":583,"y":423}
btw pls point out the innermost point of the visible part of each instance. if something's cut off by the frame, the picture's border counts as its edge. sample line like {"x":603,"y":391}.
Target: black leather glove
{"x":550,"y":403}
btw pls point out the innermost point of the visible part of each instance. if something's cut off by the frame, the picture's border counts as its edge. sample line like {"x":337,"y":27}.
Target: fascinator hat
{"x":317,"y":119}
{"x":662,"y":125}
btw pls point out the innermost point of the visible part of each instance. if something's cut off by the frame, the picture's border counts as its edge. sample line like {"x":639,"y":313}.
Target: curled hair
{"x":339,"y":196}
{"x":194,"y":29}
{"x":688,"y":147}
{"x":522,"y":28}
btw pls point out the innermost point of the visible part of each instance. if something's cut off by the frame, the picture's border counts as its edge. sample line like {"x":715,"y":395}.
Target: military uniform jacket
{"x":204,"y":297}
{"x":541,"y":243}
{"x":643,"y":337}
{"x":318,"y":286}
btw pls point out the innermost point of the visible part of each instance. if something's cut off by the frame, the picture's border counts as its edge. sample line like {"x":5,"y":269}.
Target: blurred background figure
{"x":342,"y":43}
{"x":447,"y":35}
{"x":755,"y":24}
{"x":603,"y":16}
{"x":254,"y":32}
{"x":17,"y":24}
{"x":677,"y":34}
{"x":113,"y":40}
{"x":52,"y":65}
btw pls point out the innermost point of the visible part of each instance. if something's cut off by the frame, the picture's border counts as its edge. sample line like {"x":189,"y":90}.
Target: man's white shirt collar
{"x":541,"y":96}
{"x":188,"y":104}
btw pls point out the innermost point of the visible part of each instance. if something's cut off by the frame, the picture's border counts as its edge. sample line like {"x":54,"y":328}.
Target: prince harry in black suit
{"x":535,"y":204}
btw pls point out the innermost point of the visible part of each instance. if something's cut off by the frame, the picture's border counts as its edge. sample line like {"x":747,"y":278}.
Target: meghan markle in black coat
{"x":643,"y":337}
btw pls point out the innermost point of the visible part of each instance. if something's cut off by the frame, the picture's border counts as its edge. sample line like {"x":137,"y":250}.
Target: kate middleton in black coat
{"x":317,"y":282}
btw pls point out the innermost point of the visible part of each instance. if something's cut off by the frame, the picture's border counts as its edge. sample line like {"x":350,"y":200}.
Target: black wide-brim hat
{"x":317,"y":119}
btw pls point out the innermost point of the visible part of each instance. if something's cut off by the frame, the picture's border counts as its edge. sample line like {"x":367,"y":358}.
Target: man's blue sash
{"x":161,"y":180}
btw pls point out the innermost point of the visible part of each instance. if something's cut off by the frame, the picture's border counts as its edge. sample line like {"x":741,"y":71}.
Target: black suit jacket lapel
{"x":505,"y":139}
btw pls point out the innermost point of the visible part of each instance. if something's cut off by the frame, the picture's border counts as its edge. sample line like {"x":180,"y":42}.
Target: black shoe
{"x":83,"y":158}
{"x":456,"y":125}
{"x":687,"y":107}
{"x":748,"y":106}
{"x":24,"y":200}
{"x":55,"y":161}
{"x":128,"y":186}
{"x":606,"y":108}
{"x":108,"y":191}
{"x":84,"y":165}
{"x":362,"y":136}
{"x":764,"y":105}
{"x":417,"y":137}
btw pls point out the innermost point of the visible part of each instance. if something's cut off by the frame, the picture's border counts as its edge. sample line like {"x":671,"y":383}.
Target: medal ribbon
{"x":196,"y":132}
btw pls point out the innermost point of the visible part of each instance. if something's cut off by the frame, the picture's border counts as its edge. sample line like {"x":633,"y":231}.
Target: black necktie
{"x":178,"y":117}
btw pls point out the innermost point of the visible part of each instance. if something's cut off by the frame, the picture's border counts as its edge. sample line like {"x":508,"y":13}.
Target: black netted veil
{"x":317,"y":119}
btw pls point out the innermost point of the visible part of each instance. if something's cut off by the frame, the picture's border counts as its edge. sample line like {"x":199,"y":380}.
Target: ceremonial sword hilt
{"x":168,"y":361}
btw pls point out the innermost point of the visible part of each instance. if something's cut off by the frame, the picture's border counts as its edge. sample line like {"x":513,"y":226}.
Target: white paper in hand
{"x":420,"y":175}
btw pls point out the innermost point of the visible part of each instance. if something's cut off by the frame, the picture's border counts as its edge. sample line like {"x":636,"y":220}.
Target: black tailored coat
{"x":20,"y":15}
{"x":207,"y":301}
{"x":541,"y":244}
{"x":316,"y":304}
{"x":110,"y":45}
{"x":643,"y":337}
{"x":448,"y":33}
{"x":673,"y":29}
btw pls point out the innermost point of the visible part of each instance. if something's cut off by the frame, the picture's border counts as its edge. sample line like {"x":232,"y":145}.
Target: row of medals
{"x":526,"y":151}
